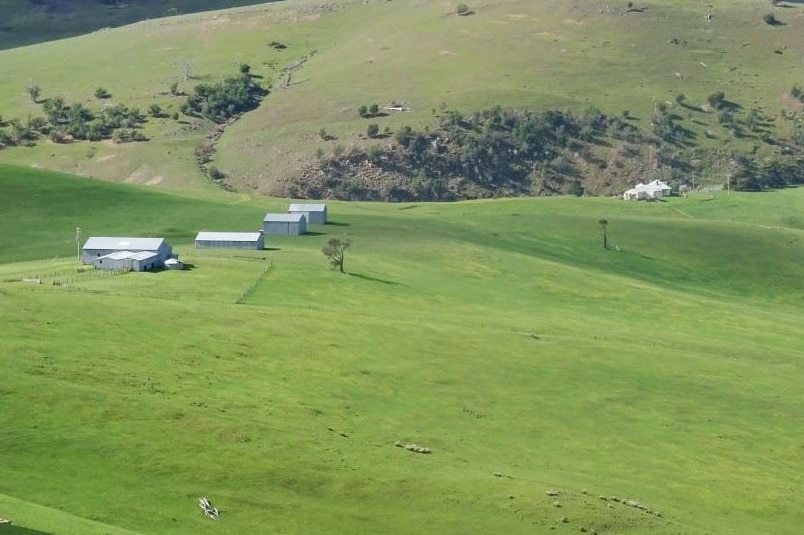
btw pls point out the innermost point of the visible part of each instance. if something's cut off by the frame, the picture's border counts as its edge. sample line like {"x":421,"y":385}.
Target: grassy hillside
{"x":36,"y":21}
{"x":500,"y":334}
{"x":514,"y":53}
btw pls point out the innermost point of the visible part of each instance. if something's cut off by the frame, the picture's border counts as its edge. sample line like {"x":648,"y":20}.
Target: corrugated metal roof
{"x":283,"y":218}
{"x":123,"y":255}
{"x":307,"y":208}
{"x":228,"y":236}
{"x":123,"y":244}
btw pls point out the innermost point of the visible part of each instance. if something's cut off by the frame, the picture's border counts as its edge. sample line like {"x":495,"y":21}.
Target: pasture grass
{"x":500,"y":334}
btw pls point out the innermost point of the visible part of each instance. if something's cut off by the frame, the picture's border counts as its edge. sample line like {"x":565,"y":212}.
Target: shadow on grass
{"x":10,"y":529}
{"x":335,"y":224}
{"x":311,"y":233}
{"x":374,"y":279}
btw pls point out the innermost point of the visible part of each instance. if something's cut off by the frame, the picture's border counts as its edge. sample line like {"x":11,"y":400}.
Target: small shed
{"x":316,"y":214}
{"x":284,"y":224}
{"x":135,"y":261}
{"x":229,"y":240}
{"x":98,"y":246}
{"x":174,"y":263}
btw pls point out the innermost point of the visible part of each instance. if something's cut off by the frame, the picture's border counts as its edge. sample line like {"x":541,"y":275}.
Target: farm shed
{"x":284,"y":224}
{"x":230,"y":240}
{"x":96,"y":247}
{"x":119,"y":260}
{"x":174,"y":263}
{"x":316,"y":214}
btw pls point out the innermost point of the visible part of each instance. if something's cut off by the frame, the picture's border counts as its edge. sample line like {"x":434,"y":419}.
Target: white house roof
{"x":307,"y":208}
{"x":651,"y":186}
{"x":228,"y":236}
{"x":123,"y":255}
{"x":659,"y":184}
{"x":284,"y":218}
{"x":124,"y":244}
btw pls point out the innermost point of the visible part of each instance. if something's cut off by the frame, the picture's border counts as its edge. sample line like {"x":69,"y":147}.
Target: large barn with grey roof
{"x":137,"y":254}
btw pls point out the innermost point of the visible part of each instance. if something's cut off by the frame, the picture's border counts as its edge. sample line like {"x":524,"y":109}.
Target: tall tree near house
{"x":334,"y":251}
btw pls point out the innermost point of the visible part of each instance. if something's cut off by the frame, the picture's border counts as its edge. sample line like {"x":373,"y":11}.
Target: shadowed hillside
{"x":26,"y":22}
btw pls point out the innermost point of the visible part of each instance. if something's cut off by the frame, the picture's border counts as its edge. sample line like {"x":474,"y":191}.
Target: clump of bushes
{"x":223,"y":100}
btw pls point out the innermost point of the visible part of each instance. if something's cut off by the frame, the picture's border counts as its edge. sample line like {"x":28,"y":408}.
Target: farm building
{"x":316,"y":214}
{"x":284,"y":224}
{"x":643,"y":192}
{"x":119,"y":260}
{"x":96,"y":247}
{"x":230,"y":240}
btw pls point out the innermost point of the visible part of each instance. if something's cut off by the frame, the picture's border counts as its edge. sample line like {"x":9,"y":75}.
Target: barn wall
{"x":215,"y":244}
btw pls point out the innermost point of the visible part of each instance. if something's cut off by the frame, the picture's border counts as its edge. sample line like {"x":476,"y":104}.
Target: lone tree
{"x":34,"y":91}
{"x":463,"y":10}
{"x":334,"y":250}
{"x":603,"y":224}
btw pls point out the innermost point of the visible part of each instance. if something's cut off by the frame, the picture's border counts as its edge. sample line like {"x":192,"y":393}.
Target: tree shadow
{"x":374,"y":279}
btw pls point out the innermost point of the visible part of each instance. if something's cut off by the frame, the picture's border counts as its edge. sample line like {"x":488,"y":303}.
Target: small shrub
{"x":155,"y":110}
{"x":374,"y":109}
{"x":716,"y":99}
{"x":215,"y":174}
{"x":362,"y":110}
{"x":102,"y":92}
{"x":372,"y":130}
{"x":174,"y":116}
{"x":463,"y":10}
{"x":771,"y":20}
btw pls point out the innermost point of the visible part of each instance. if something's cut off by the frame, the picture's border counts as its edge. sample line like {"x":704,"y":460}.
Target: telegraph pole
{"x":78,"y":243}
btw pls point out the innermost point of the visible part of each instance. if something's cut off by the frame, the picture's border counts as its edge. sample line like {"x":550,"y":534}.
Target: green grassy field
{"x":515,"y":53}
{"x":500,"y":334}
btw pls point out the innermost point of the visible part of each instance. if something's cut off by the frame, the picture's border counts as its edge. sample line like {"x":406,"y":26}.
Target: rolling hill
{"x":657,"y":65}
{"x":653,"y":387}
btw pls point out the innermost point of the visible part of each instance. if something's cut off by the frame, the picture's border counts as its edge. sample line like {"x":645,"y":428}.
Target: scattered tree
{"x":174,"y":89}
{"x":245,"y":68}
{"x":34,"y":91}
{"x":334,"y":251}
{"x":362,"y":110}
{"x":771,"y":20}
{"x":155,"y":110}
{"x":463,"y":10}
{"x":717,"y":99}
{"x":374,"y":109}
{"x":102,"y":92}
{"x":372,"y":130}
{"x":215,"y":174}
